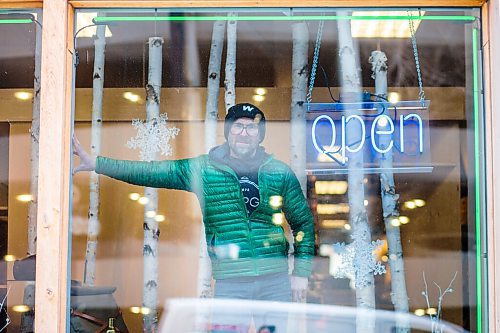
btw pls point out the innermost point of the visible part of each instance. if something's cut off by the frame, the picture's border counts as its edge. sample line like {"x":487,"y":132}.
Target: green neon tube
{"x":280,"y":18}
{"x":16,"y":21}
{"x":478,"y":182}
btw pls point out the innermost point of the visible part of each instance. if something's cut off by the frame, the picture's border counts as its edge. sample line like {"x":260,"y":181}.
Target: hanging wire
{"x":421,"y":93}
{"x":315,"y":63}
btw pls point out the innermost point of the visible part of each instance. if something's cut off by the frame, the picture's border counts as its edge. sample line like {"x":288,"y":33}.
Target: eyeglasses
{"x":252,"y":129}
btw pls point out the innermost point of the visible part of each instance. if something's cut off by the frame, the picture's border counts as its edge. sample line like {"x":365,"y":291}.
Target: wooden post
{"x":54,"y":172}
{"x":27,"y":318}
{"x":491,"y":44}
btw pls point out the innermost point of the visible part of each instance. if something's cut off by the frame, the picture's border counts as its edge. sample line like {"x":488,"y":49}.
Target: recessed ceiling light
{"x":258,"y":98}
{"x":160,"y":218}
{"x":260,"y":91}
{"x":143,"y":200}
{"x":20,"y":308}
{"x":134,"y":196}
{"x":330,"y":187}
{"x":404,"y":219}
{"x":23,"y":95}
{"x":393,"y":97}
{"x":131,"y":97}
{"x":24,"y":197}
{"x":9,"y":257}
{"x":419,"y":202}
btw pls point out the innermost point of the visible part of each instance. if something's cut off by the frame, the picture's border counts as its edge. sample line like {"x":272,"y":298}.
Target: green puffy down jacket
{"x":239,"y":245}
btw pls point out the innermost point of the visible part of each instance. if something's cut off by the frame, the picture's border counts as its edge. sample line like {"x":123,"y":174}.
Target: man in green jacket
{"x":244,"y":193}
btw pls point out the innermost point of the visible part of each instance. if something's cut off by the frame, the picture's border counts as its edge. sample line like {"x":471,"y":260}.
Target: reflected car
{"x":242,"y":316}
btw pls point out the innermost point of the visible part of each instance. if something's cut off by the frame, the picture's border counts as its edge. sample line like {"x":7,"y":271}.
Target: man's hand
{"x":87,"y":162}
{"x":299,"y":288}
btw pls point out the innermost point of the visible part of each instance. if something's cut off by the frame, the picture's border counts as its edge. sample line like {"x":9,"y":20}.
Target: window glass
{"x":328,"y":157}
{"x":20,"y":37}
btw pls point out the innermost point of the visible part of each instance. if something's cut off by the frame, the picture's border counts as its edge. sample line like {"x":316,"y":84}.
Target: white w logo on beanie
{"x":247,"y":108}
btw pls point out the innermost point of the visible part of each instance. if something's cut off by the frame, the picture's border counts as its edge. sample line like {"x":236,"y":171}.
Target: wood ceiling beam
{"x":273,"y":3}
{"x":21,"y":4}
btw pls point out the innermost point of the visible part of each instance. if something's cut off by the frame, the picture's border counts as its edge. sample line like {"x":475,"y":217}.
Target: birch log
{"x":300,"y":36}
{"x":211,"y":112}
{"x":230,"y":71}
{"x":151,"y":228}
{"x":390,"y":198}
{"x":300,"y":40}
{"x":350,"y":92}
{"x":95,"y":150}
{"x":27,"y":319}
{"x":213,"y":85}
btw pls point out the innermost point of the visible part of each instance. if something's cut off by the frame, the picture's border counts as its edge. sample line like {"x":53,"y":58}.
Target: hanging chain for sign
{"x":315,"y":63}
{"x":421,"y":93}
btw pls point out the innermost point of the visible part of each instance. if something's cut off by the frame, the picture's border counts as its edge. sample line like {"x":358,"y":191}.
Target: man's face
{"x":243,"y":138}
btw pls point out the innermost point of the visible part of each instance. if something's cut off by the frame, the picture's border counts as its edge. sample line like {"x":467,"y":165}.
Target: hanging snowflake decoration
{"x":153,"y":137}
{"x":357,"y":259}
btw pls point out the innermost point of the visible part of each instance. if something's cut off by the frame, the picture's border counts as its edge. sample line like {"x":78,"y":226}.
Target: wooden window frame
{"x":55,"y":174}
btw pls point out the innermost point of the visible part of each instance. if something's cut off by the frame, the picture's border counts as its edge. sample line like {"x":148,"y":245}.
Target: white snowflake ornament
{"x":357,"y":259}
{"x":153,"y":137}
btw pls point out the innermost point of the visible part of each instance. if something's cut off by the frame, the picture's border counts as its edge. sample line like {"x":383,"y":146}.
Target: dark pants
{"x":270,"y":287}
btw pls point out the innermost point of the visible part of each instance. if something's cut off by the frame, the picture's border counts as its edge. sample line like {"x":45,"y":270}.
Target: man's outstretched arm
{"x":172,"y":174}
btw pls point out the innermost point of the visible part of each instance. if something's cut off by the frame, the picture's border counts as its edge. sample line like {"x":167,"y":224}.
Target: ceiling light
{"x":393,"y":97}
{"x":382,"y":122}
{"x":333,"y":224}
{"x":24,"y":197}
{"x":395,"y":222}
{"x":404,"y":219}
{"x":384,"y":28}
{"x":410,"y":205}
{"x":135,"y":309}
{"x":278,"y":218}
{"x":260,"y":91}
{"x":330,"y":187}
{"x":85,"y":20}
{"x":419,"y":312}
{"x":9,"y":257}
{"x":143,"y":200}
{"x":419,"y":202}
{"x":276,"y":201}
{"x":330,"y":209}
{"x":20,"y":308}
{"x":131,"y":97}
{"x":150,"y":214}
{"x":134,"y":196}
{"x":160,"y":218}
{"x":258,"y":98}
{"x":431,"y":311}
{"x":145,"y":310}
{"x":23,"y":95}
{"x":347,"y":226}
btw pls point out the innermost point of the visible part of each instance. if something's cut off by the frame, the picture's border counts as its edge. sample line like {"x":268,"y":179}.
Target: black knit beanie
{"x":245,"y":110}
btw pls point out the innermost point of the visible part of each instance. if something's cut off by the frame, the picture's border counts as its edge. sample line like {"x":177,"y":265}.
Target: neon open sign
{"x":378,"y":130}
